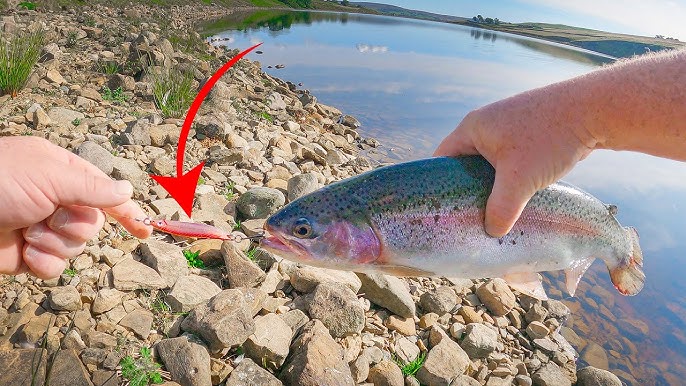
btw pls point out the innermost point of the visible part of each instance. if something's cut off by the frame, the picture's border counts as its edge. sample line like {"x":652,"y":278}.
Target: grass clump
{"x":266,"y":116}
{"x":142,"y":371}
{"x":18,"y":55}
{"x":251,"y":254}
{"x":31,"y":6}
{"x":228,"y":191}
{"x":70,"y":272}
{"x":113,"y":95}
{"x":411,"y":368}
{"x":109,"y":67}
{"x":173,"y":91}
{"x":193,"y":259}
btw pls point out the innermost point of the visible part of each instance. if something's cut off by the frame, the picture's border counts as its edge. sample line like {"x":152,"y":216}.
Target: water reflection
{"x":410,"y":82}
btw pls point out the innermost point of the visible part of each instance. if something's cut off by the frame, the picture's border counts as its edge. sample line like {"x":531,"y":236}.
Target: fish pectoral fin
{"x":574,"y":273}
{"x":528,"y":283}
{"x":402,"y":270}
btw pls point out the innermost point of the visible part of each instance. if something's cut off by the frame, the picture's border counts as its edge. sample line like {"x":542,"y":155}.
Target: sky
{"x":637,"y":17}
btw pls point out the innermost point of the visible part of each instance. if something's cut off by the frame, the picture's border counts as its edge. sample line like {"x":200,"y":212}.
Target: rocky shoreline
{"x":248,"y":317}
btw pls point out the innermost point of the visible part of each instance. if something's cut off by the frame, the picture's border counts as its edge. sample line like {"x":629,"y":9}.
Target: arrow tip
{"x":182,"y":187}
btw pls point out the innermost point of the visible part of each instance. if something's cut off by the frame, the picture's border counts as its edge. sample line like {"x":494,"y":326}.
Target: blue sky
{"x":640,"y":17}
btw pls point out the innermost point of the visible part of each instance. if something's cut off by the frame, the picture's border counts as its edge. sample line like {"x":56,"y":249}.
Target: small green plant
{"x":160,"y":306}
{"x":90,"y":21}
{"x":173,"y":92}
{"x":70,"y":272}
{"x":141,"y":371}
{"x":31,"y":6}
{"x":72,"y":38}
{"x":193,"y":259}
{"x":27,"y":132}
{"x":201,"y":181}
{"x":76,"y":122}
{"x":412,"y":367}
{"x":267,"y":116}
{"x":228,"y":191}
{"x":18,"y":55}
{"x":113,"y":95}
{"x":237,"y":225}
{"x":251,"y":254}
{"x":109,"y":67}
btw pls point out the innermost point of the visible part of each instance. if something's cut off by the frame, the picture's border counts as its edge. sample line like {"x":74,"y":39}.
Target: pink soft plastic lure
{"x":194,"y":229}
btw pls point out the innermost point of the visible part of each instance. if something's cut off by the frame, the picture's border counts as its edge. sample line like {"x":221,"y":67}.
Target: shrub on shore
{"x":18,"y":55}
{"x":173,"y":91}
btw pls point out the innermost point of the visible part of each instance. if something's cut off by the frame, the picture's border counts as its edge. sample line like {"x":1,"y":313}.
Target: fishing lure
{"x":194,"y":229}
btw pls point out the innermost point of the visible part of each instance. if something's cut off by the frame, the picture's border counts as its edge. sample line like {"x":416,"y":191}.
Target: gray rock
{"x":301,"y":185}
{"x":276,"y":102}
{"x":537,"y":330}
{"x":350,"y":121}
{"x":591,"y":376}
{"x":550,"y":375}
{"x":546,"y":345}
{"x":128,"y":169}
{"x":497,"y":296}
{"x":270,"y":342}
{"x":240,"y":272}
{"x":137,"y":134}
{"x":139,"y":321}
{"x":106,"y":299}
{"x":65,"y":298}
{"x":338,"y":309}
{"x":316,"y":359}
{"x":556,"y":309}
{"x":228,"y":157}
{"x":247,"y":373}
{"x":479,"y":340}
{"x":64,"y":117}
{"x":189,"y":291}
{"x":72,"y":340}
{"x":101,"y":340}
{"x":523,"y":380}
{"x":187,"y":361}
{"x":306,"y":278}
{"x":224,"y":321}
{"x":295,"y":319}
{"x":386,"y":373}
{"x":406,"y":350}
{"x":389,"y":292}
{"x":124,"y":82}
{"x":97,"y":155}
{"x":595,"y":355}
{"x":444,"y":362}
{"x":129,"y":275}
{"x":260,"y":202}
{"x":440,"y":301}
{"x":165,"y":258}
{"x":359,"y":368}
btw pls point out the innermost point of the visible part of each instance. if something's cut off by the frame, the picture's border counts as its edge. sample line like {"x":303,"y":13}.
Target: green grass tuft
{"x":70,"y":272}
{"x":250,"y":254}
{"x":193,"y":259}
{"x":142,"y":371}
{"x":228,"y":191}
{"x":267,"y":116}
{"x":31,"y":6}
{"x":109,"y":68}
{"x":173,"y":91}
{"x":113,"y":95}
{"x":18,"y":55}
{"x":411,"y":368}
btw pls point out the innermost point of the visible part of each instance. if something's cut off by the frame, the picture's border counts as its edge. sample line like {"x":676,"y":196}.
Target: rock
{"x":275,"y":101}
{"x":634,"y":327}
{"x":497,"y":296}
{"x":270,"y":342}
{"x":440,"y":301}
{"x":16,"y":368}
{"x":100,"y":340}
{"x":40,"y":118}
{"x":65,"y":298}
{"x":110,"y":255}
{"x":229,"y":157}
{"x":106,"y":378}
{"x":128,"y":169}
{"x":406,"y":350}
{"x":457,"y":330}
{"x":165,"y":258}
{"x":470,"y":315}
{"x":224,"y":321}
{"x":53,"y":76}
{"x":64,"y":117}
{"x":464,"y":380}
{"x":350,"y":121}
{"x":404,"y":326}
{"x":295,"y":319}
{"x":389,"y":292}
{"x":338,"y":309}
{"x":260,"y":202}
{"x":254,"y":298}
{"x":428,"y":320}
{"x":36,"y":328}
{"x":66,"y":369}
{"x":556,"y":309}
{"x":139,"y":321}
{"x":189,"y":291}
{"x":359,"y":368}
{"x":546,"y":345}
{"x":72,"y":340}
{"x":129,"y":275}
{"x":591,"y":376}
{"x":247,"y":373}
{"x":187,"y":361}
{"x":306,"y":278}
{"x":124,"y":82}
{"x":107,"y":299}
{"x":595,"y":355}
{"x":301,"y":185}
{"x":537,"y":330}
{"x":50,"y":52}
{"x":550,"y":375}
{"x":479,"y":340}
{"x":536,"y":313}
{"x":444,"y":362}
{"x":316,"y":359}
{"x":386,"y":373}
{"x":240,"y":272}
{"x":523,"y":380}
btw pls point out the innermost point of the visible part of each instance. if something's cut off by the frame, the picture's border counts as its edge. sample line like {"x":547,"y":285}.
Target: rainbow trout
{"x":425,"y":218}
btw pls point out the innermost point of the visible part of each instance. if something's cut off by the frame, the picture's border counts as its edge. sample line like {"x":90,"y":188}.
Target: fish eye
{"x":302,"y":228}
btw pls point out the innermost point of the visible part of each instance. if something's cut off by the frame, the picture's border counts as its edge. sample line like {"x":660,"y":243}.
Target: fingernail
{"x":59,"y":219}
{"x":30,"y":252}
{"x":123,"y":188}
{"x":34,"y":232}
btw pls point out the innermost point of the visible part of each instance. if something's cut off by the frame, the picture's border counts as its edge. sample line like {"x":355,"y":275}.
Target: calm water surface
{"x":410,"y":82}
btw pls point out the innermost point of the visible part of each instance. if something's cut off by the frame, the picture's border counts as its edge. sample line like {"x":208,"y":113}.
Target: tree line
{"x":488,"y":20}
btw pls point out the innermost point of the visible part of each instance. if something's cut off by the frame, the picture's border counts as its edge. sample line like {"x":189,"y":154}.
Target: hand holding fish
{"x":51,"y":204}
{"x":533,"y":139}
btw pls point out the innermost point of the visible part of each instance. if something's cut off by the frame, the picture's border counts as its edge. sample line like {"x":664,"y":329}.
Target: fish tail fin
{"x":628,"y":276}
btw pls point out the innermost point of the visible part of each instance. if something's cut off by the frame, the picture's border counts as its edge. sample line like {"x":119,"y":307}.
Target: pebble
{"x":440,"y":301}
{"x":497,"y":296}
{"x":479,"y":340}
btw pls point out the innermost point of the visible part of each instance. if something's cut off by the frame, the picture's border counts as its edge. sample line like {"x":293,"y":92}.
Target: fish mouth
{"x":282,"y":246}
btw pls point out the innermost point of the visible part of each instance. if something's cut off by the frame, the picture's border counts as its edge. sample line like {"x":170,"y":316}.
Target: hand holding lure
{"x":194,"y":229}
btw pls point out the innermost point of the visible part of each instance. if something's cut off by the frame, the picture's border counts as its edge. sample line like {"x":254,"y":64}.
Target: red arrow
{"x":182,"y":187}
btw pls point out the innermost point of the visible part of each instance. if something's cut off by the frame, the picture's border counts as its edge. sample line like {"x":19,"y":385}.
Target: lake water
{"x":410,"y":82}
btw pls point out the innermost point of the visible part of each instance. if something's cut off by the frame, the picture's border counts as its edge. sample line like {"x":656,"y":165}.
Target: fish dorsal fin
{"x":575,"y":271}
{"x":528,"y":283}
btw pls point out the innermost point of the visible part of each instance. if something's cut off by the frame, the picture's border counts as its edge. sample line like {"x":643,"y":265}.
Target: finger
{"x":78,"y":223}
{"x":40,"y":236}
{"x":43,"y":265}
{"x":456,"y":143}
{"x":126,"y":214}
{"x":506,"y":202}
{"x":11,"y":252}
{"x":78,"y":186}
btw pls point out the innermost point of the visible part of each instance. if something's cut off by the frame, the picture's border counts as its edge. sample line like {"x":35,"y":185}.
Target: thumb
{"x":78,"y":186}
{"x":506,"y":202}
{"x":456,"y":143}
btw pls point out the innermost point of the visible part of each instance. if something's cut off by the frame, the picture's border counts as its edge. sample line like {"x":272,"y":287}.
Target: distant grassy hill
{"x":392,"y":10}
{"x":296,"y":4}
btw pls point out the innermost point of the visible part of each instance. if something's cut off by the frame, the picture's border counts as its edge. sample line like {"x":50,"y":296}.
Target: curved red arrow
{"x":182,"y":187}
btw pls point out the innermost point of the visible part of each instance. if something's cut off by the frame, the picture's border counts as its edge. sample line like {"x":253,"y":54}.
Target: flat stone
{"x":224,"y":321}
{"x":187,"y":361}
{"x":440,"y":301}
{"x":537,"y":330}
{"x":591,"y":376}
{"x":550,"y":375}
{"x":189,"y":291}
{"x":386,"y":373}
{"x":128,"y":169}
{"x":111,"y":256}
{"x":72,"y":340}
{"x":106,"y":378}
{"x":338,"y":309}
{"x":405,"y":326}
{"x":359,"y":368}
{"x":165,"y":258}
{"x":139,"y":321}
{"x":444,"y":362}
{"x":65,"y":298}
{"x":129,"y":275}
{"x":306,"y":278}
{"x":100,"y":340}
{"x":53,"y":76}
{"x":546,"y":345}
{"x":36,"y":327}
{"x":240,"y":272}
{"x":295,"y":319}
{"x":97,"y":155}
{"x":301,"y":185}
{"x":497,"y":296}
{"x":248,"y":373}
{"x":479,"y":340}
{"x":67,"y":369}
{"x":406,"y":350}
{"x":595,"y":355}
{"x":106,"y":299}
{"x":316,"y":359}
{"x":470,"y":315}
{"x":270,"y":341}
{"x":389,"y":292}
{"x":260,"y":202}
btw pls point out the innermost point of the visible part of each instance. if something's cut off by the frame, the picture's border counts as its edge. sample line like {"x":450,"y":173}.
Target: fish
{"x":426,"y":218}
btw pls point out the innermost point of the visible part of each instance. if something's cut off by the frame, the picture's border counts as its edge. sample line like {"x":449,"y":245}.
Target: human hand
{"x":531,"y":141}
{"x":50,"y":205}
